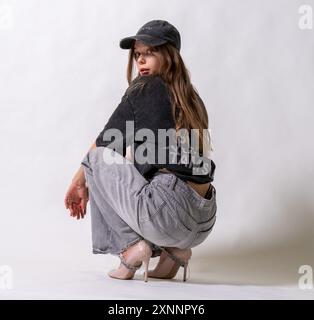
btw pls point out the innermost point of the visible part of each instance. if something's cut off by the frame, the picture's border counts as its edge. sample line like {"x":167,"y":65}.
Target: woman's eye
{"x":148,"y":52}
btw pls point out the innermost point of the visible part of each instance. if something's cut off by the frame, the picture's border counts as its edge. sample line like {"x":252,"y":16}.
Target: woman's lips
{"x":144,"y":71}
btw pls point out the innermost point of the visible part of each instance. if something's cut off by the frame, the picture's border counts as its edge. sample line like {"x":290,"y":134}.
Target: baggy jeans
{"x":126,"y":208}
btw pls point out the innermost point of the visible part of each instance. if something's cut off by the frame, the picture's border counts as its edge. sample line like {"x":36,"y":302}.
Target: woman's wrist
{"x":79,"y":183}
{"x":79,"y":178}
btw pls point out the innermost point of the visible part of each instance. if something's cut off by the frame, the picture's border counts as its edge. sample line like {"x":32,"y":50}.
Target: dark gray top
{"x":150,"y":108}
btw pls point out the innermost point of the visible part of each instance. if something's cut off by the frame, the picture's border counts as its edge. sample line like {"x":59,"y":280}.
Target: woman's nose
{"x":141,"y":59}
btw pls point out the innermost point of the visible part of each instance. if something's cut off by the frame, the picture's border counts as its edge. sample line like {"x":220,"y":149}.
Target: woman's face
{"x":146,"y":58}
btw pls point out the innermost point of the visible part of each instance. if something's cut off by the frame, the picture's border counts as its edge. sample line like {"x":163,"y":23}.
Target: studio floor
{"x":52,"y":279}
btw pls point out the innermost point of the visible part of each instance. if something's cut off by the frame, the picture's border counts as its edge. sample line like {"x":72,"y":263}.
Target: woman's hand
{"x":77,"y":196}
{"x":76,"y":200}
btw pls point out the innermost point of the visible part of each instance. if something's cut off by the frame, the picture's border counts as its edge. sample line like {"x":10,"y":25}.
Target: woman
{"x":147,"y":197}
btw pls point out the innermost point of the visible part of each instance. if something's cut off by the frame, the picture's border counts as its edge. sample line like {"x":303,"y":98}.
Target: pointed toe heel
{"x":138,"y":254}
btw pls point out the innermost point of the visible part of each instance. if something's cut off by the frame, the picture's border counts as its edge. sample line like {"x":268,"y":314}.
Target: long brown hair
{"x":184,"y":97}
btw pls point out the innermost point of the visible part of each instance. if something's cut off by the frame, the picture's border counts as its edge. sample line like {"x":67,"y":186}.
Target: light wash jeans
{"x":126,"y":208}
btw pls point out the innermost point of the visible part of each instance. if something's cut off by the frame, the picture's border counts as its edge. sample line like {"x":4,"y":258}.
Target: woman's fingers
{"x":66,"y":201}
{"x":76,"y":201}
{"x":80,"y":212}
{"x":72,"y":210}
{"x":75,"y":211}
{"x":83,"y":207}
{"x":78,"y":215}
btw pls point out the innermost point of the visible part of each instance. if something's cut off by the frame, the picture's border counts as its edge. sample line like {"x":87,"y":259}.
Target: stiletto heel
{"x":184,"y":272}
{"x":146,"y":263}
{"x":170,"y":262}
{"x":137,"y":254}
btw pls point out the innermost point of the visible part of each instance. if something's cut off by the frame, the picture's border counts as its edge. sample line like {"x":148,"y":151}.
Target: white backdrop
{"x":62,"y":74}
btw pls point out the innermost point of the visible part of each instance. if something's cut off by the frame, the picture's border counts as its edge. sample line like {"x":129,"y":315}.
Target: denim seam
{"x":160,"y":184}
{"x":188,"y":195}
{"x":204,"y":201}
{"x":195,"y":199}
{"x":202,"y":233}
{"x":207,"y":230}
{"x":198,"y":224}
{"x":178,"y":203}
{"x":181,"y":225}
{"x":201,"y":202}
{"x":154,"y":214}
{"x":96,"y":251}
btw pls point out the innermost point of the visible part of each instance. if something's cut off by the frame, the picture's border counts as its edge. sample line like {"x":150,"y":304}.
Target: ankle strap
{"x":132,"y":268}
{"x":173,"y":257}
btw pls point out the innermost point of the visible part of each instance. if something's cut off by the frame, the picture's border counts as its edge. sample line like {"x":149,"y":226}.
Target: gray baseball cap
{"x":154,"y":33}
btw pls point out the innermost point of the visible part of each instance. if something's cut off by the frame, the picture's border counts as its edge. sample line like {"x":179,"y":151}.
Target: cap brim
{"x":127,"y":43}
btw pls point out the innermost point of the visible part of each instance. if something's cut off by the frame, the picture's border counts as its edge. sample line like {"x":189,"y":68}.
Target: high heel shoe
{"x":170,"y":262}
{"x":130,"y":258}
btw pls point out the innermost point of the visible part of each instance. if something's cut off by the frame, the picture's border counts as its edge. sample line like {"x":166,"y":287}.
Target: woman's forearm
{"x":79,"y":177}
{"x":92,"y":147}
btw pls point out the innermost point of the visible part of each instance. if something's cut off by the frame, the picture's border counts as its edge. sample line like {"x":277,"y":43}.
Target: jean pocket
{"x":152,"y":203}
{"x":171,"y":225}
